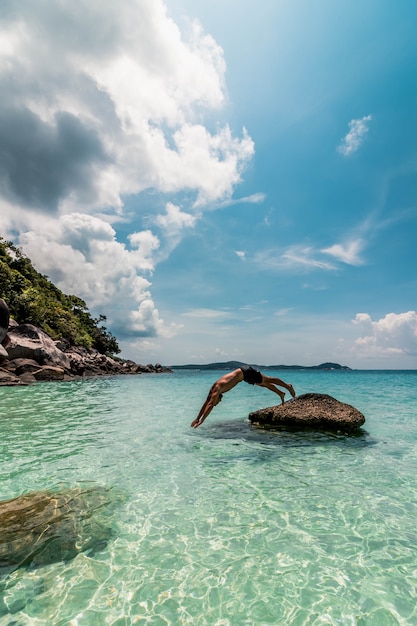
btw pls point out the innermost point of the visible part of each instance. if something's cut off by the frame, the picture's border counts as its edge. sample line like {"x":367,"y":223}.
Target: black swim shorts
{"x":251,"y":375}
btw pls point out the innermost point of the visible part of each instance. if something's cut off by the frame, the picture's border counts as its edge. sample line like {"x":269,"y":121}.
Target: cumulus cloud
{"x":358,"y":128}
{"x":102,"y":101}
{"x":82,"y":256}
{"x":394,"y":334}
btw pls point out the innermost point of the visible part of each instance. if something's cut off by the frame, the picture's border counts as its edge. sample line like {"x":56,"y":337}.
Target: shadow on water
{"x":285,"y":437}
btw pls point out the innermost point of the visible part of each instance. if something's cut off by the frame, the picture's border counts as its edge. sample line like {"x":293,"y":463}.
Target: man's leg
{"x":278,"y":381}
{"x":268,"y":385}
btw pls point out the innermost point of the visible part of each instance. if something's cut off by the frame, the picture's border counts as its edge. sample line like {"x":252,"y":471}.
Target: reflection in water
{"x":284,"y":436}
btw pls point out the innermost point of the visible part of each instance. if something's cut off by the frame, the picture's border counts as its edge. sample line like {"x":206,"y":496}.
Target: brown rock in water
{"x":310,"y":410}
{"x":45,"y":527}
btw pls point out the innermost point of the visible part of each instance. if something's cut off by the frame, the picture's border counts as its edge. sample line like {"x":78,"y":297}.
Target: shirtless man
{"x":230,"y":380}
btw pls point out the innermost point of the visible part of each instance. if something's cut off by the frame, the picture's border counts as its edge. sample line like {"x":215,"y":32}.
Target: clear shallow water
{"x":223,"y":525}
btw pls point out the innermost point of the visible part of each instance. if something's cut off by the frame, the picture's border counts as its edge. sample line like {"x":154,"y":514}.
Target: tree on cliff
{"x":33,"y":299}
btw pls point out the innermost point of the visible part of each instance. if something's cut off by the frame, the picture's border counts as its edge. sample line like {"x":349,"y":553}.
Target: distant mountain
{"x":232,"y":365}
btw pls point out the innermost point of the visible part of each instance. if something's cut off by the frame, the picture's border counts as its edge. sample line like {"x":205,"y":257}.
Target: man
{"x":230,"y":380}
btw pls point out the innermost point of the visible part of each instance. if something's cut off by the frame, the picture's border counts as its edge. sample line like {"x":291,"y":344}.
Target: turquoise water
{"x":223,"y":525}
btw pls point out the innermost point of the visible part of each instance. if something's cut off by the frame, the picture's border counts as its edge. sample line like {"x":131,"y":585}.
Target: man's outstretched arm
{"x":205,"y":411}
{"x":212,"y":400}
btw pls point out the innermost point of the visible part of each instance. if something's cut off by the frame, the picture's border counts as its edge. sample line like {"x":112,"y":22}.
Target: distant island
{"x":232,"y":365}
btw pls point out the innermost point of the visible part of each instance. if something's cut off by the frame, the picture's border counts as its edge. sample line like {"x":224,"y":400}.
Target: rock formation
{"x":30,"y":355}
{"x":310,"y":410}
{"x":4,"y":319}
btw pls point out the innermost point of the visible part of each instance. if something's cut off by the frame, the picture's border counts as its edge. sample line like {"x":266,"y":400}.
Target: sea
{"x":223,"y":525}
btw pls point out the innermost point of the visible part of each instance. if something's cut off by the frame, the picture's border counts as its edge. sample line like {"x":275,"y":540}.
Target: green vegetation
{"x":33,"y":299}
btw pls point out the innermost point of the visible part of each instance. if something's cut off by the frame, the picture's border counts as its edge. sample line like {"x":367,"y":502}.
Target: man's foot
{"x":291,"y":390}
{"x":282,"y":396}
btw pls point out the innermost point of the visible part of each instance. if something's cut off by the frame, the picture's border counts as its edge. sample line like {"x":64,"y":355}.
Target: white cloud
{"x":81,"y":255}
{"x":90,"y":120}
{"x":241,"y":254}
{"x":297,"y":258}
{"x":358,"y":128}
{"x":283,"y":312}
{"x":206,"y":314}
{"x":348,"y":252}
{"x":394,"y":334}
{"x":254,"y":198}
{"x":102,"y":100}
{"x":172,"y":225}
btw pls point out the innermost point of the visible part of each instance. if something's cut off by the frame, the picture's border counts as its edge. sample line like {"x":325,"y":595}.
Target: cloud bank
{"x":102,"y":101}
{"x":394,"y":334}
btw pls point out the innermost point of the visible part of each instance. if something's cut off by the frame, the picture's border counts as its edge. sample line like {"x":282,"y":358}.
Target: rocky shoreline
{"x":29,"y":355}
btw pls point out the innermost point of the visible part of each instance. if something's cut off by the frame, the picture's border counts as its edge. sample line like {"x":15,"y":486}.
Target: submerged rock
{"x":310,"y":410}
{"x":45,"y":527}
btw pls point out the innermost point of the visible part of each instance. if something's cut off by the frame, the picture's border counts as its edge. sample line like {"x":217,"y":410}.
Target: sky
{"x":222,"y":180}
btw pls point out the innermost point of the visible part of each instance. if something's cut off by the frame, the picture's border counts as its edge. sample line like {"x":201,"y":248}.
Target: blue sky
{"x":223,"y":180}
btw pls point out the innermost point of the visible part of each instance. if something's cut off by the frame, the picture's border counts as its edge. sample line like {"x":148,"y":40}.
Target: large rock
{"x":4,"y":319}
{"x":310,"y":410}
{"x":8,"y":379}
{"x":49,"y":372}
{"x":3,"y":354}
{"x":32,"y":355}
{"x":29,"y":342}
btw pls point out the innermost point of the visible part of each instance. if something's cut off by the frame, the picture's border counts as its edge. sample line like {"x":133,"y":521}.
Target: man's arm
{"x":208,"y":406}
{"x":205,"y":411}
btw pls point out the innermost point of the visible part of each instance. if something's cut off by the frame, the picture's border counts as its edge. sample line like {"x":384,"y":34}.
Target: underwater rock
{"x":310,"y":410}
{"x":43,"y":527}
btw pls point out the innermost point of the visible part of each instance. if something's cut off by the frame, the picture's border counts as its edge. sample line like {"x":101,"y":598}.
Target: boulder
{"x":310,"y":410}
{"x":21,"y":366}
{"x":30,"y":354}
{"x":3,"y":354}
{"x":49,"y":372}
{"x":29,"y":342}
{"x":4,"y":319}
{"x":8,"y":379}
